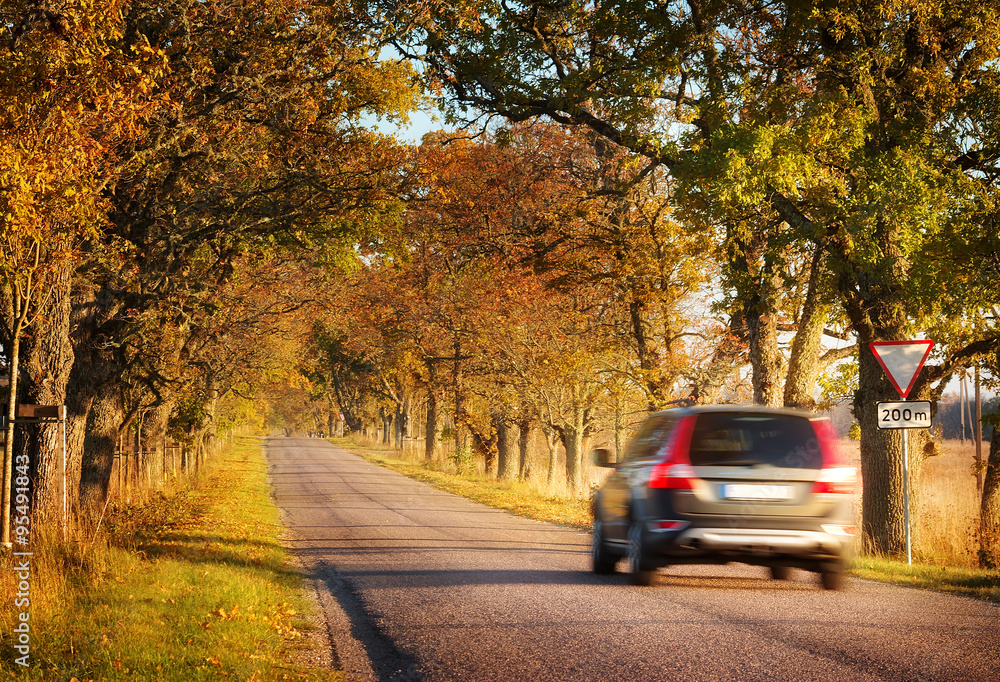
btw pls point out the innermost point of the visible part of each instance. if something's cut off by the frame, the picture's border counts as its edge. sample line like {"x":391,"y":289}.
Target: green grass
{"x":191,"y":587}
{"x":522,"y":500}
{"x":971,"y":582}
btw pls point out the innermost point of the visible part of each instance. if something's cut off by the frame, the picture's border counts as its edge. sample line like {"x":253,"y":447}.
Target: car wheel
{"x":780,"y":572}
{"x":639,"y":571}
{"x":603,"y":560}
{"x":831,"y":575}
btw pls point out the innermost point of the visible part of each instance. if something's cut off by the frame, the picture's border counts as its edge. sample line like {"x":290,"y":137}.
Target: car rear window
{"x":748,"y":439}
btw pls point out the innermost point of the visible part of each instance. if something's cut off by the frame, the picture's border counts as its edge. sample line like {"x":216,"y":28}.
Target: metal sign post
{"x":902,"y":361}
{"x":904,"y":416}
{"x":906,"y":498}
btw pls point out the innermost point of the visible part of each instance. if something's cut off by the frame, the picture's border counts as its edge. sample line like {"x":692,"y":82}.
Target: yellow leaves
{"x":221,"y":612}
{"x":278,"y":620}
{"x":66,"y":106}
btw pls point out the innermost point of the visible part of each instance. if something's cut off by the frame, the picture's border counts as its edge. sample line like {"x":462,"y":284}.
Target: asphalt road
{"x":421,"y":584}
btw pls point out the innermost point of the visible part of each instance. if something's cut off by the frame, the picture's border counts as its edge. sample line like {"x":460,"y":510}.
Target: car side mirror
{"x":602,"y":458}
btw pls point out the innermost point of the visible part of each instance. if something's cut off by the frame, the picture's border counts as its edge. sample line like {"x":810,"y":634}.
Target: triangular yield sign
{"x":901,"y":361}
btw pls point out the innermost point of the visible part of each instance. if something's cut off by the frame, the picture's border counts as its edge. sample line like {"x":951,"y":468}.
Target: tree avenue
{"x":200,"y":225}
{"x":197,"y":140}
{"x":862,"y":133}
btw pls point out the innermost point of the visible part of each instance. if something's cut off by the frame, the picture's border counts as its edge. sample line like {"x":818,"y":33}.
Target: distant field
{"x":946,"y":515}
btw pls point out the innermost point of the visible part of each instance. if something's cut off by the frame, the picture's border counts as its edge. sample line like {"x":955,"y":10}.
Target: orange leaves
{"x":70,"y":96}
{"x":223,"y":615}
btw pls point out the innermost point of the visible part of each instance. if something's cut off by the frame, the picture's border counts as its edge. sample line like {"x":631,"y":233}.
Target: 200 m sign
{"x":913,"y":414}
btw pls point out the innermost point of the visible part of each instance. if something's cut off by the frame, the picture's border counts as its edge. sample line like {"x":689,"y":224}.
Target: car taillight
{"x":675,"y":471}
{"x":835,"y":477}
{"x":840,"y":480}
{"x":667,"y":476}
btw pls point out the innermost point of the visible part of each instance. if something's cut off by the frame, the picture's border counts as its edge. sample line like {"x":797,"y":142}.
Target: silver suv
{"x":710,"y":485}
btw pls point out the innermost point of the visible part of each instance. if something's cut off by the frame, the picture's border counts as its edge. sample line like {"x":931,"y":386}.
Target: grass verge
{"x":512,"y":496}
{"x":970,"y":582}
{"x":520,"y":499}
{"x":191,"y":587}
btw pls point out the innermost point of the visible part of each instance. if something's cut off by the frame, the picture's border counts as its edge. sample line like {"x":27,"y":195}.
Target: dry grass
{"x":537,"y":480}
{"x":948,"y":507}
{"x":198,"y":588}
{"x":946,"y":514}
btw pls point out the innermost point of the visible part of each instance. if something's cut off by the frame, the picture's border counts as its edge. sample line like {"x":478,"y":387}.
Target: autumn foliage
{"x":637,"y":204}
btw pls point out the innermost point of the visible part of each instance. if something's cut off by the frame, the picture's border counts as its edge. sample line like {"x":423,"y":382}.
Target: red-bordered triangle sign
{"x":902,"y":361}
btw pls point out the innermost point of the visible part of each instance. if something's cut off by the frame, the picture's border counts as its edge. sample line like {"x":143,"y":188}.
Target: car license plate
{"x":756,"y":492}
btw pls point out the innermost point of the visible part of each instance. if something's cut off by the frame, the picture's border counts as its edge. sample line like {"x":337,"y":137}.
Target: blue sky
{"x":421,"y":123}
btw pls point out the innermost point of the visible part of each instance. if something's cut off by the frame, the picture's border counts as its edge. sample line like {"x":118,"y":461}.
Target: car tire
{"x":602,"y":559}
{"x":831,"y":575}
{"x":638,"y":569}
{"x":780,"y":572}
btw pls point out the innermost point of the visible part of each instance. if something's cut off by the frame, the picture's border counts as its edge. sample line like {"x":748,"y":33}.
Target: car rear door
{"x":632,"y":473}
{"x":753,"y":465}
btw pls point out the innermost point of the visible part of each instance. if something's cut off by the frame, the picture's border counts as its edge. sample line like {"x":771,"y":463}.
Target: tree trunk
{"x":485,"y":446}
{"x":765,"y":358}
{"x":432,"y":433}
{"x":93,"y":403}
{"x":619,"y":428}
{"x":882,"y":524}
{"x":457,"y":381}
{"x":989,"y":510}
{"x":874,"y":301}
{"x":523,"y":442}
{"x":552,"y":440}
{"x":752,"y":271}
{"x":78,"y":406}
{"x":351,"y":418}
{"x":573,"y":444}
{"x":989,"y":536}
{"x":100,"y":444}
{"x":48,"y":362}
{"x":155,"y":435}
{"x":803,"y":362}
{"x":657,"y":393}
{"x":507,"y":439}
{"x":573,"y":436}
{"x":401,"y":424}
{"x":386,"y":417}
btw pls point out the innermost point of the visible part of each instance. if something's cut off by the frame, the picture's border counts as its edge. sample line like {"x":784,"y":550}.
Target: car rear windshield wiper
{"x":739,"y":463}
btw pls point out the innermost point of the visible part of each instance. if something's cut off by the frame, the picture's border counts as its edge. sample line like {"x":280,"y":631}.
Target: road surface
{"x":421,"y":584}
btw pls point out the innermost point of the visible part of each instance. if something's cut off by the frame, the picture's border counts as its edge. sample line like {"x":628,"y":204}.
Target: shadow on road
{"x":387,"y":662}
{"x":446,"y":577}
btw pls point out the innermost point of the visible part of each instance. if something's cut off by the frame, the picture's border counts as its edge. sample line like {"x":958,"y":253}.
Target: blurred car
{"x":716,"y":484}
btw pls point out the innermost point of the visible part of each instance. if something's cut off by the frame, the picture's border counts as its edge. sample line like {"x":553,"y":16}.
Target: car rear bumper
{"x":754,"y":541}
{"x":751,"y":543}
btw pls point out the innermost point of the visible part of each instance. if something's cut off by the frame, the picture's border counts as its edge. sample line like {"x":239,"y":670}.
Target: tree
{"x":258,"y":152}
{"x":989,"y":532}
{"x":73,"y":90}
{"x":154,"y":151}
{"x":856,"y":133}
